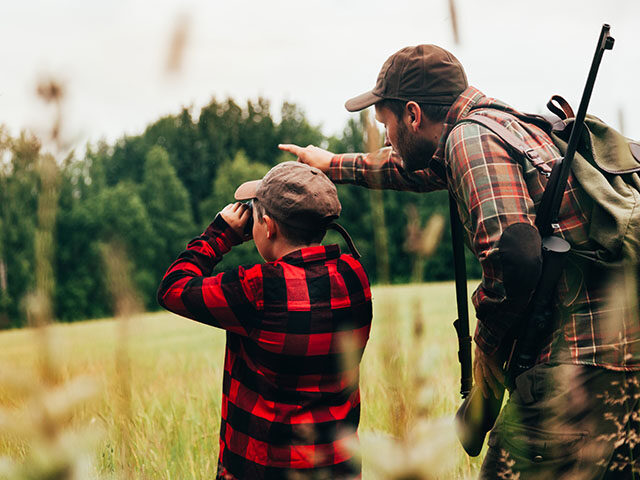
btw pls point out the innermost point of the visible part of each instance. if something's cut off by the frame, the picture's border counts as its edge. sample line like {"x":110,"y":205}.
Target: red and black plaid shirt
{"x":296,"y":331}
{"x":493,"y":190}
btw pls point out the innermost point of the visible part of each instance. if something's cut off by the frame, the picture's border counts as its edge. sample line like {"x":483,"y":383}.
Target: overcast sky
{"x":112,"y":56}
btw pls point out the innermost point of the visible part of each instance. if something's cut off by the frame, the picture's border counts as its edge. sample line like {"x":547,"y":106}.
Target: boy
{"x":296,"y":328}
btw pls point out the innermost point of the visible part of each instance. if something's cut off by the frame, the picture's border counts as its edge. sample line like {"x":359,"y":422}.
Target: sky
{"x":112,"y":56}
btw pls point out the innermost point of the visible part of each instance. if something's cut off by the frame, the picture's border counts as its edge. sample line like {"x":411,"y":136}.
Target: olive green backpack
{"x":606,"y":165}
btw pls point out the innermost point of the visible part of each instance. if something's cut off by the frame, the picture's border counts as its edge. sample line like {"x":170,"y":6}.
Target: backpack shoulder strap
{"x":510,"y":139}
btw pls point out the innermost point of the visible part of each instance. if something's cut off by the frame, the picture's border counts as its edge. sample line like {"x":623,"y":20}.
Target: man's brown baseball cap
{"x":424,"y":74}
{"x":295,"y":194}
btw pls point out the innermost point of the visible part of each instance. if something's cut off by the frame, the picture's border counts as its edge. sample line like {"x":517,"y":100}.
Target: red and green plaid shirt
{"x":494,"y":189}
{"x":296,"y":331}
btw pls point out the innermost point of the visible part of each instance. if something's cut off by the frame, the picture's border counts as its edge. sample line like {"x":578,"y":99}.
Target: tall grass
{"x":39,"y":400}
{"x":409,"y":383}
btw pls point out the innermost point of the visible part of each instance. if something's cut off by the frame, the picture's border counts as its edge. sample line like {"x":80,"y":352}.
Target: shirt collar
{"x":318,"y":253}
{"x":468,"y":99}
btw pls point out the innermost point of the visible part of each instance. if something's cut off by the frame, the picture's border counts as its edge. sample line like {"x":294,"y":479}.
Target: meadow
{"x":155,"y":410}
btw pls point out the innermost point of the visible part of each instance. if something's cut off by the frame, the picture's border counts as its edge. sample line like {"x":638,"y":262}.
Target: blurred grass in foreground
{"x":409,"y":382}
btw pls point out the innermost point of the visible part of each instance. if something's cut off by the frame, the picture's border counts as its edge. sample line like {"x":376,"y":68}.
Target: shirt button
{"x":537,"y":459}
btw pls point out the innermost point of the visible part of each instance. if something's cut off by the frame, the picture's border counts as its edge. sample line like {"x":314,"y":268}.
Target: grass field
{"x":156,"y":413}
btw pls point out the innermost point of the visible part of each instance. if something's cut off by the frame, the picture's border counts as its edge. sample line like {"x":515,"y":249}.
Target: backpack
{"x":607,"y":167}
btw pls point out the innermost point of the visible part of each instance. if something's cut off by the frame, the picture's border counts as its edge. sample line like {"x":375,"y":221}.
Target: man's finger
{"x":487,"y":379}
{"x":496,"y":371}
{"x":491,"y":379}
{"x":478,"y":376}
{"x":484,"y":388}
{"x":288,"y":147}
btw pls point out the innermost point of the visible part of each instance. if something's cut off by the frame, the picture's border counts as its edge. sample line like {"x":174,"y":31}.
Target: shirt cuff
{"x":342,"y":168}
{"x":220,"y":230}
{"x":491,"y":340}
{"x":486,"y":339}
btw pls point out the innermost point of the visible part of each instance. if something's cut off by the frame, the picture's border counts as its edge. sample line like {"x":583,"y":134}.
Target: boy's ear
{"x":272,"y":227}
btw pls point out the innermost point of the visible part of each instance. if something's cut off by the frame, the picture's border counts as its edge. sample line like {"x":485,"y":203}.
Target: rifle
{"x":477,"y":415}
{"x":462,"y":323}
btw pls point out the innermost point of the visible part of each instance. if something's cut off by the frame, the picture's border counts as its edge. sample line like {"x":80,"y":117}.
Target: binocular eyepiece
{"x":248,"y":228}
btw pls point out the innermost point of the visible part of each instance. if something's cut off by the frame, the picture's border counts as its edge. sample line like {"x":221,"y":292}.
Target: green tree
{"x":19,"y":204}
{"x":5,"y":299}
{"x":114,"y":215}
{"x":295,"y":128}
{"x":123,"y":220}
{"x":126,"y":160}
{"x":230,"y":176}
{"x":219,"y":127}
{"x":259,"y":137}
{"x":167,"y":204}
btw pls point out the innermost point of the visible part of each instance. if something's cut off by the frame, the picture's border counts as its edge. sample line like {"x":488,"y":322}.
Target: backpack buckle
{"x":537,"y":162}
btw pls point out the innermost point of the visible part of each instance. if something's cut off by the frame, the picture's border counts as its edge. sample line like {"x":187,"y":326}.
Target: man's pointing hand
{"x":311,"y":155}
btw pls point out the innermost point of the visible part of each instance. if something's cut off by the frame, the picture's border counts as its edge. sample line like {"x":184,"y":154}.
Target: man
{"x":571,"y":414}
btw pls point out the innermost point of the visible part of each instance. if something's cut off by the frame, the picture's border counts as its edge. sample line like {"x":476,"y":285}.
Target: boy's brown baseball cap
{"x":295,"y":194}
{"x":424,"y":74}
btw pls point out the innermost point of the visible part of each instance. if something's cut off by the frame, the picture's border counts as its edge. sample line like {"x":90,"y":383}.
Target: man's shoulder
{"x":528,"y":128}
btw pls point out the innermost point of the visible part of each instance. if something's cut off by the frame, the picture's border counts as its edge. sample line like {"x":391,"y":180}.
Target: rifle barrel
{"x":605,"y":42}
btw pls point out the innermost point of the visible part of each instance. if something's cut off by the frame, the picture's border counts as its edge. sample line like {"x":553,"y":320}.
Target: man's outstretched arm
{"x":382,"y":169}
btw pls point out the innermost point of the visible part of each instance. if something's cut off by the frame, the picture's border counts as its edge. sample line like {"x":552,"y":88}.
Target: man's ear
{"x":272,"y":227}
{"x":414,"y":115}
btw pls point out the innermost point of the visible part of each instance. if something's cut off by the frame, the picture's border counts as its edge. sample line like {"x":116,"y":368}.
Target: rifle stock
{"x":475,"y":417}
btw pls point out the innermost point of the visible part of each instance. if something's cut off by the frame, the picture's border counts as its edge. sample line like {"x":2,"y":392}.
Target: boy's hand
{"x":236,"y":215}
{"x":313,"y":156}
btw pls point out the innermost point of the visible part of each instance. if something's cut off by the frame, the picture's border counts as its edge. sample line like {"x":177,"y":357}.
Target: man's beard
{"x":415,"y":151}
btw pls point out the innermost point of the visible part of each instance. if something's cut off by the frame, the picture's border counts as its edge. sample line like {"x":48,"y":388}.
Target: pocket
{"x":532,"y":445}
{"x":606,"y":325}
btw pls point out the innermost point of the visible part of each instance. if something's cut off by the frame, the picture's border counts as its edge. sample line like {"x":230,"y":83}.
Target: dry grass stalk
{"x":38,"y":303}
{"x":39,"y":307}
{"x":44,"y":424}
{"x":425,"y":453}
{"x":417,"y":446}
{"x":422,"y":242}
{"x":178,"y":43}
{"x":42,"y":419}
{"x":52,"y":92}
{"x":126,"y":304}
{"x":380,"y":237}
{"x":454,"y":21}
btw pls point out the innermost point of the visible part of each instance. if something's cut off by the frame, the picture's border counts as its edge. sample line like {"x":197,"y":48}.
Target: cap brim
{"x":362,"y":101}
{"x":247,"y":190}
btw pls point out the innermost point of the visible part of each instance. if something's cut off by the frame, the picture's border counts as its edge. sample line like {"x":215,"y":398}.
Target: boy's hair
{"x":296,"y":236}
{"x":435,"y":113}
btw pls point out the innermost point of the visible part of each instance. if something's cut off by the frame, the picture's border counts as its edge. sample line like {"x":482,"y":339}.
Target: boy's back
{"x":296,"y":331}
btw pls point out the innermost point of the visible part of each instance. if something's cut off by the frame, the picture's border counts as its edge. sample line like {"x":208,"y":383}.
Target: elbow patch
{"x":520,"y":253}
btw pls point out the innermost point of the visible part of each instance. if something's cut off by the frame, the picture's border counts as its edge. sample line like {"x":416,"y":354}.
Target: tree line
{"x":149,"y":194}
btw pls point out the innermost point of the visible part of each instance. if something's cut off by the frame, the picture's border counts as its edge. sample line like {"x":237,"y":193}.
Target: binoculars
{"x":248,"y":228}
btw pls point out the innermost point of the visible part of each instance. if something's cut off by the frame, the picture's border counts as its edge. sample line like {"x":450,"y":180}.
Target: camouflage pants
{"x":568,"y":421}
